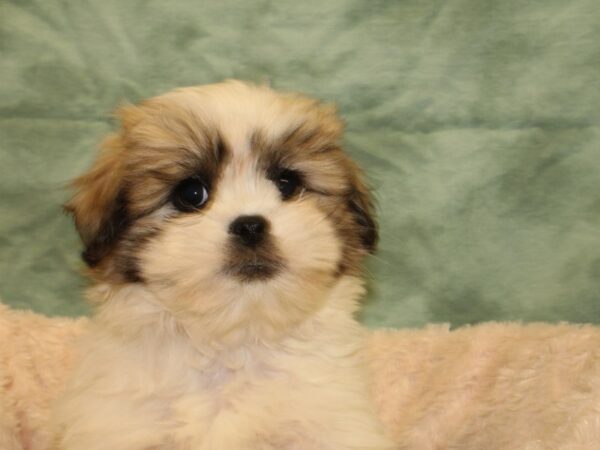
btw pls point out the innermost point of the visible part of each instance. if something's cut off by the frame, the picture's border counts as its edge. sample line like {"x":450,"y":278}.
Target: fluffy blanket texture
{"x":490,"y":387}
{"x":493,"y":386}
{"x":36,"y":353}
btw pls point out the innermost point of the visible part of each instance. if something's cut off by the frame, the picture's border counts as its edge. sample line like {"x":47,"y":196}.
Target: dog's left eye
{"x":190,"y":195}
{"x":287,"y":181}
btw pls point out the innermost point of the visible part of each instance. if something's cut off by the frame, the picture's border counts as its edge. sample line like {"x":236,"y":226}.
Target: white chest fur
{"x":308,"y":391}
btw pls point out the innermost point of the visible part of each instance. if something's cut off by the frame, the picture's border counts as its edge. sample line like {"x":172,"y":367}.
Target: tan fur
{"x":96,"y":190}
{"x":491,"y":386}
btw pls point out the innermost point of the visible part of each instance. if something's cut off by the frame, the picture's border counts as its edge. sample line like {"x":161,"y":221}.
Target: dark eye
{"x":287,"y":181}
{"x":190,"y":195}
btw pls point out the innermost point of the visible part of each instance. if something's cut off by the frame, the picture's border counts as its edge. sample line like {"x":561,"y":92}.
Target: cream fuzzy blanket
{"x":488,"y":387}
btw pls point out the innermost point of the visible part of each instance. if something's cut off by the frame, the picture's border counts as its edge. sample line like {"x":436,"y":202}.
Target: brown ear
{"x":361,"y":205}
{"x":98,"y":205}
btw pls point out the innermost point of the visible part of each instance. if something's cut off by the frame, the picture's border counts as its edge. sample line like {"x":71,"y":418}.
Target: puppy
{"x":224,"y":228}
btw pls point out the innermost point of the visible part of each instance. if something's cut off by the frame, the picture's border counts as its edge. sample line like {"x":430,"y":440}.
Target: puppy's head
{"x":232,"y":203}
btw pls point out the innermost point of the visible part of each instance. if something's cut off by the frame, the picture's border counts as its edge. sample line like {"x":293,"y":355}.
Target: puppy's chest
{"x":222,"y":388}
{"x":225,"y":408}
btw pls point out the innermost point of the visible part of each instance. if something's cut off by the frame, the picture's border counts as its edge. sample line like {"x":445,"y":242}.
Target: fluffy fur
{"x":205,"y":338}
{"x":492,"y":386}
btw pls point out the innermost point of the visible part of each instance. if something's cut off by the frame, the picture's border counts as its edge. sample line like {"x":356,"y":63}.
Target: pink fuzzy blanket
{"x":488,"y":387}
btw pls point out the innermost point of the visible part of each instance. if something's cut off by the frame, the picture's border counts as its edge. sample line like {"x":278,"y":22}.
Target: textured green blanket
{"x":478,"y":122}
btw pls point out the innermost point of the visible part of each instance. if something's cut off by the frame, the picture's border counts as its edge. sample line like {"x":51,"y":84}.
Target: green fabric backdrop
{"x":478,"y":122}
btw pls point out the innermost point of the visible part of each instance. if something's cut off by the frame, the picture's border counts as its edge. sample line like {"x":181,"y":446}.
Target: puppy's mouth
{"x":254,"y":270}
{"x":253,"y":264}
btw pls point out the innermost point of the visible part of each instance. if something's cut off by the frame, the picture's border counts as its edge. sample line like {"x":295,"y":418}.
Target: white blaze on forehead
{"x":243,"y":189}
{"x":238,"y":110}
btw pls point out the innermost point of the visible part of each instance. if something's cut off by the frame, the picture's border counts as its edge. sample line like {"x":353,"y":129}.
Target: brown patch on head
{"x":160,"y":144}
{"x":97,"y":191}
{"x":166,"y":144}
{"x":354,"y":218}
{"x":98,"y":205}
{"x":312,"y":149}
{"x":352,"y":215}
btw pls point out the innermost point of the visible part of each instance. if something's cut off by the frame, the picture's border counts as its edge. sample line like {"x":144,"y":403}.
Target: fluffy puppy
{"x":224,"y":228}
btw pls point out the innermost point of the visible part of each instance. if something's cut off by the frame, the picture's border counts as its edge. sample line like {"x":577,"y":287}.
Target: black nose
{"x":250,"y":230}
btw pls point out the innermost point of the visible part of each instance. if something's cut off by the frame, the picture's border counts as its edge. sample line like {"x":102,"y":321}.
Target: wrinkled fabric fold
{"x":478,"y":123}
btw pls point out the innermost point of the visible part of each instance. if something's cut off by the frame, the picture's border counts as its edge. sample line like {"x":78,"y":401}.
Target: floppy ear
{"x":361,"y":205}
{"x":98,"y":205}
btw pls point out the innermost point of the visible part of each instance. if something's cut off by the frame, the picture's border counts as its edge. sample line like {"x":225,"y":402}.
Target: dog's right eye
{"x":288,"y":182}
{"x":190,"y":195}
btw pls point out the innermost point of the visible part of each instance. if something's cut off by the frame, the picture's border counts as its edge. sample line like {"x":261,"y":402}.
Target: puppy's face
{"x":233,"y":204}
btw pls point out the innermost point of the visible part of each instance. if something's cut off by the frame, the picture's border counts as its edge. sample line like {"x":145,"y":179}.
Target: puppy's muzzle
{"x":249,"y":230}
{"x":253,"y":255}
